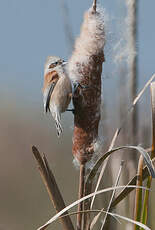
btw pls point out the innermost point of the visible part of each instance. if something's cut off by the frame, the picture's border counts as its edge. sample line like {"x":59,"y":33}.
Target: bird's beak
{"x":64,"y":63}
{"x":47,"y":95}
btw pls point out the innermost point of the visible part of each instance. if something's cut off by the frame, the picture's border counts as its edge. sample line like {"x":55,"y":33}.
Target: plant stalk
{"x":138,"y":199}
{"x":81,"y":194}
{"x":52,"y":188}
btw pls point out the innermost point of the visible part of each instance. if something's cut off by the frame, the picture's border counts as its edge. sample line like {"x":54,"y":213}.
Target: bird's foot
{"x":77,"y":84}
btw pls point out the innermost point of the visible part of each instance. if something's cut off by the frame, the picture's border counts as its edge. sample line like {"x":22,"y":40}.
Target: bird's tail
{"x":58,"y":124}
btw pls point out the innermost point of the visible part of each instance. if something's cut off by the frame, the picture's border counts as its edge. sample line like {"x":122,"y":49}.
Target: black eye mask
{"x":59,"y":62}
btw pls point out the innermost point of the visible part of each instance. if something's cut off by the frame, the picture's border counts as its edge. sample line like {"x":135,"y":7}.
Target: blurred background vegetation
{"x":30,"y":31}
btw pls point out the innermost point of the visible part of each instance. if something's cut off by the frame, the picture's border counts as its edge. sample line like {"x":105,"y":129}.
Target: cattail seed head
{"x":85,"y":67}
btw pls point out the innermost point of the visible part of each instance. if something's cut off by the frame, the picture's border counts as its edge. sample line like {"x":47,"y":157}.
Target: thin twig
{"x":52,"y":188}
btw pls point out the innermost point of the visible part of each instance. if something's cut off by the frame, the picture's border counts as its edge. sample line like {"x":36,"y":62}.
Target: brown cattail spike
{"x":85,"y":68}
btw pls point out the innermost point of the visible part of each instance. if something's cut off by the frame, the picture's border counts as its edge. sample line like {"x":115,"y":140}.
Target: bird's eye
{"x":60,"y":62}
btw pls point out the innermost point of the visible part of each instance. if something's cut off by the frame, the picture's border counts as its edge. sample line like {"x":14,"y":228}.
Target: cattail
{"x":85,"y":68}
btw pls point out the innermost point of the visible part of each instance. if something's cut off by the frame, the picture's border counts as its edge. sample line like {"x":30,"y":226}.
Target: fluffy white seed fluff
{"x":125,"y":49}
{"x":98,"y":148}
{"x":90,"y":42}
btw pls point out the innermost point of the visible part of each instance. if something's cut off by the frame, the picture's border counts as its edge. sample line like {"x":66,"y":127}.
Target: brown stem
{"x":138,"y":197}
{"x":81,"y":194}
{"x":87,"y":203}
{"x":52,"y":187}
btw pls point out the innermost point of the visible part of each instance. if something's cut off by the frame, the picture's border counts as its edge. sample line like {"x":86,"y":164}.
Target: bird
{"x":57,"y":89}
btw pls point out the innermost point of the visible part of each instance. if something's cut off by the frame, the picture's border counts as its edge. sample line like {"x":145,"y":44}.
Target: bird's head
{"x":54,"y":63}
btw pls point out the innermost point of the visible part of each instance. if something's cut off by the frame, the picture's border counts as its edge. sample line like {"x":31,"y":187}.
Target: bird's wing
{"x":62,"y":93}
{"x":47,"y":95}
{"x":50,"y":81}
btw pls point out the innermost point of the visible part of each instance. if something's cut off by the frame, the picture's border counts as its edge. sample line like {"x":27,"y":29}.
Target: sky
{"x":32,"y":30}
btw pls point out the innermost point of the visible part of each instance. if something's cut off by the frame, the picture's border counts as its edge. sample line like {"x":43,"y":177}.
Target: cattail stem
{"x":81,"y":194}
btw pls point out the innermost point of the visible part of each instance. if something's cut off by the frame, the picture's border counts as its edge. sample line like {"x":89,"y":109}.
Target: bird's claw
{"x":77,"y":84}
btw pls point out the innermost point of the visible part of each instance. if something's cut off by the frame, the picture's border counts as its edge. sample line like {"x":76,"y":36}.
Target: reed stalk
{"x":138,"y":197}
{"x":52,"y":187}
